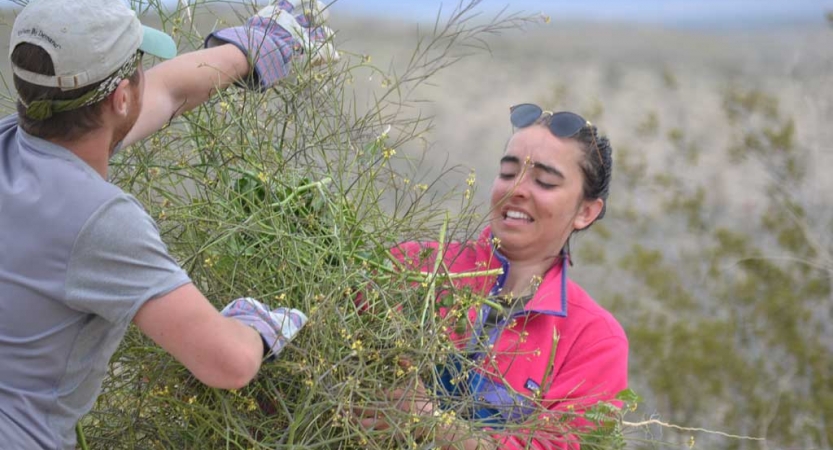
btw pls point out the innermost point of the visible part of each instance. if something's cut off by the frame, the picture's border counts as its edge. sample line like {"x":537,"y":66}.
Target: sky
{"x":673,"y":13}
{"x":721,"y":13}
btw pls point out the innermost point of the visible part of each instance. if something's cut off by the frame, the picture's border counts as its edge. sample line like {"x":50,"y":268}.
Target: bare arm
{"x":269,"y":40}
{"x":183,"y":83}
{"x":219,"y":351}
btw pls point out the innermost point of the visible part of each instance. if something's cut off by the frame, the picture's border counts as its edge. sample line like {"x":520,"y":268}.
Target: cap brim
{"x":157,"y":43}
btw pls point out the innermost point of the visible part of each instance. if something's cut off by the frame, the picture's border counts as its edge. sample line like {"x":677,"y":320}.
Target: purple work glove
{"x":275,"y":35}
{"x":277,"y":327}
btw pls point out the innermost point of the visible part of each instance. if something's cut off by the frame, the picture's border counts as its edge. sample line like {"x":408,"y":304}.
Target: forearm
{"x":219,"y":351}
{"x":191,"y":79}
{"x":232,"y":360}
{"x":257,"y":54}
{"x":183,"y":83}
{"x":247,"y":339}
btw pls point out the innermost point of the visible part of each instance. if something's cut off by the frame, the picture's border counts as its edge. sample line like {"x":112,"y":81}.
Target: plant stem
{"x":301,"y":189}
{"x":79,"y":435}
{"x":430,"y":296}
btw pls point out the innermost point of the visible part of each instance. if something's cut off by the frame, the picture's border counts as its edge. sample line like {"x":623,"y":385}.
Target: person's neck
{"x":94,"y":148}
{"x":525,"y":275}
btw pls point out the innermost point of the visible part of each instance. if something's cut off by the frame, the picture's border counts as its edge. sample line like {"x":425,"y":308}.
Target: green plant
{"x":294,"y":197}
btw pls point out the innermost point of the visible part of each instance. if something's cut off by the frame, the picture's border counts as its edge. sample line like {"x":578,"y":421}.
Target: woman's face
{"x":537,"y":198}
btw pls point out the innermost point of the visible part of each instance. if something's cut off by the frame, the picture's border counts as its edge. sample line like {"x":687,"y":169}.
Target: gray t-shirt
{"x":78,"y":258}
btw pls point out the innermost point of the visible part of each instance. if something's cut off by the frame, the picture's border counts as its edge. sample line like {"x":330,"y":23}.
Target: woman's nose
{"x":521,"y":187}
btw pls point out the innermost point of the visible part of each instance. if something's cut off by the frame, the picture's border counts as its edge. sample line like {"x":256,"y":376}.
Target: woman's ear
{"x":588,"y":211}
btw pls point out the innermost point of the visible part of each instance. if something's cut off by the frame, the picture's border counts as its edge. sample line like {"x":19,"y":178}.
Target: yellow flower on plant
{"x":448,"y":417}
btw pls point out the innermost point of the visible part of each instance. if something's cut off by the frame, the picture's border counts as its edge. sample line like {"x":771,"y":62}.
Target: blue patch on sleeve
{"x":532,"y":385}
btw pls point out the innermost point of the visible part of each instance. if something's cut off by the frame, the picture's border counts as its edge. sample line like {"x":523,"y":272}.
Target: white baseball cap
{"x":87,"y":40}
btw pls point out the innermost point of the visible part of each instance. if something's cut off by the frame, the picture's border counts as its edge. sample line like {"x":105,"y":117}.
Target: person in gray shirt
{"x":79,"y":258}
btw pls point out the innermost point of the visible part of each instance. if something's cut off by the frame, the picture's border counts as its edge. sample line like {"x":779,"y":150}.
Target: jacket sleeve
{"x":595,"y":373}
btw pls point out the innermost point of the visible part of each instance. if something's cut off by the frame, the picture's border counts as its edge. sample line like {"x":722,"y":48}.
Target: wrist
{"x":267,"y":351}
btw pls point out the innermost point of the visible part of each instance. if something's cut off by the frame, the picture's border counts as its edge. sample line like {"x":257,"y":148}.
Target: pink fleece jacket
{"x":587,"y":346}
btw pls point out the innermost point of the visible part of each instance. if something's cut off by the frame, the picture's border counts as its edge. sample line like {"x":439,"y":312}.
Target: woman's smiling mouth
{"x":517,"y":215}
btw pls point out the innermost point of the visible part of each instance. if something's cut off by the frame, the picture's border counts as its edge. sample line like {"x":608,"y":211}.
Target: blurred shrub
{"x":728,"y":312}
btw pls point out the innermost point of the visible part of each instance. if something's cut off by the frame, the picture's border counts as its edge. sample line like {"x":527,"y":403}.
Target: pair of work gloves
{"x":275,"y":35}
{"x":271,"y":39}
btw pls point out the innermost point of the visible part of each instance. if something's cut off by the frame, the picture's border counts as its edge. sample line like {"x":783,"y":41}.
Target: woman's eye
{"x":545,"y":185}
{"x":506,"y":175}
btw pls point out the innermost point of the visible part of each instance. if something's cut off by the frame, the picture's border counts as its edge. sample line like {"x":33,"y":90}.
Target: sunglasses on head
{"x":563,"y":124}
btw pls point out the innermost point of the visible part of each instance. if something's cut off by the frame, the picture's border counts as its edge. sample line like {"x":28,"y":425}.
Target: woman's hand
{"x":403,"y":405}
{"x":411,"y":401}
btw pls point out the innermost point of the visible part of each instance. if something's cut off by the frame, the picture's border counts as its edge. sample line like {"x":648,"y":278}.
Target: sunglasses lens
{"x":524,"y":115}
{"x":566,"y":124}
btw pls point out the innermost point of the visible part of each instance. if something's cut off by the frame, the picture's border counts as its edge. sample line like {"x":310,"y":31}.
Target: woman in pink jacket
{"x":551,"y":351}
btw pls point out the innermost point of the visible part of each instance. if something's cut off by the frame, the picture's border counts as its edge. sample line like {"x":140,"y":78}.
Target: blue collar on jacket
{"x":501,"y":279}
